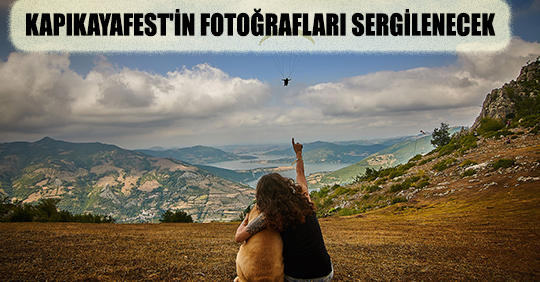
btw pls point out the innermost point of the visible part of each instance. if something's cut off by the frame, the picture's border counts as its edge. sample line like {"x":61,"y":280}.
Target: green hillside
{"x":396,"y":154}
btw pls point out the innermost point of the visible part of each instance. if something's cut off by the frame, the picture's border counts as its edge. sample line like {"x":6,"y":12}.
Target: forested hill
{"x":106,"y":179}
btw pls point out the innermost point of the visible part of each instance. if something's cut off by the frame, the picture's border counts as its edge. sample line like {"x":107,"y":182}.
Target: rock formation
{"x":501,"y":103}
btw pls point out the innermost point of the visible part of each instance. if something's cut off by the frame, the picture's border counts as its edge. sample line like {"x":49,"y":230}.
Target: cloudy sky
{"x":178,"y":100}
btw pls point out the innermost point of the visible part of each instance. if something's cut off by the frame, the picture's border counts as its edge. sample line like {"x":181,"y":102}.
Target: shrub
{"x":398,"y":200}
{"x":397,"y":187}
{"x":45,"y":210}
{"x":369,"y":175}
{"x":504,"y":163}
{"x":321,"y":193}
{"x":426,"y":161}
{"x":489,"y":126}
{"x":442,"y":165}
{"x":348,"y":211}
{"x":467,"y":162}
{"x":422,"y":183}
{"x":372,"y":188}
{"x":413,"y":179}
{"x":468,"y":172}
{"x":416,"y":158}
{"x":467,"y":142}
{"x":177,"y":216}
{"x":448,"y":149}
{"x":340,"y":190}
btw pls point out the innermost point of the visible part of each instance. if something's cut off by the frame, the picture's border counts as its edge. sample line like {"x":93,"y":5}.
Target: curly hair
{"x":282,"y":201}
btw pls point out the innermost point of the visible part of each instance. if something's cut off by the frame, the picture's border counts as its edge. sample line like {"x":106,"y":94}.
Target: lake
{"x":245,"y":165}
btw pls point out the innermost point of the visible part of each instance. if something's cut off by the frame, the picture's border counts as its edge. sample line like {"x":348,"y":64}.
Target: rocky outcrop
{"x":501,"y":103}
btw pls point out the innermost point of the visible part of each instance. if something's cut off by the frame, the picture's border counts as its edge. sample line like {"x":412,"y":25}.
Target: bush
{"x":488,"y":127}
{"x":416,"y":158}
{"x":426,"y":161}
{"x":398,"y":200}
{"x":340,"y":190}
{"x":369,"y":175}
{"x":45,"y":210}
{"x":348,"y":211}
{"x":504,"y":163}
{"x":422,"y":183}
{"x":467,"y":162}
{"x":177,"y":216}
{"x":468,"y":172}
{"x":372,"y":188}
{"x":321,"y":193}
{"x":442,"y":165}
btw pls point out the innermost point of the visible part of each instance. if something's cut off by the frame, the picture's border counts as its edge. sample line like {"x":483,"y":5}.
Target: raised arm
{"x":300,"y":174}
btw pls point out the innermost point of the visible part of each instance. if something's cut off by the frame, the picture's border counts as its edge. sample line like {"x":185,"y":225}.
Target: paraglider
{"x":286,"y":81}
{"x":286,"y":62}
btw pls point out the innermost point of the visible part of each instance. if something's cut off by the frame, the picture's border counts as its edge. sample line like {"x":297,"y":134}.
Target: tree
{"x":177,"y":216}
{"x":440,"y":135}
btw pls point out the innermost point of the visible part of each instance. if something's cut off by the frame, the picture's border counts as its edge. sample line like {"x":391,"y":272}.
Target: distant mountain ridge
{"x":196,"y":155}
{"x":327,"y":152}
{"x":106,"y":179}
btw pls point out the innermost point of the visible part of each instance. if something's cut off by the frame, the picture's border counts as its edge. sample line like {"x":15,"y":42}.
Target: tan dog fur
{"x":260,"y":258}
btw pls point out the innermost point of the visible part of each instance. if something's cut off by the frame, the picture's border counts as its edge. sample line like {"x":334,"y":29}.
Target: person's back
{"x":304,"y":252}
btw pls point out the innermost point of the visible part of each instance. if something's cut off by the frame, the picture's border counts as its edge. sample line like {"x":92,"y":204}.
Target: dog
{"x":260,"y":258}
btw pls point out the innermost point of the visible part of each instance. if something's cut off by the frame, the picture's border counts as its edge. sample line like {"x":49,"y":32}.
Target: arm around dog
{"x":245,"y":230}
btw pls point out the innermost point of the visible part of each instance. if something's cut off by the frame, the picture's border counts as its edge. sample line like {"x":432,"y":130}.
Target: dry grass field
{"x":484,"y":237}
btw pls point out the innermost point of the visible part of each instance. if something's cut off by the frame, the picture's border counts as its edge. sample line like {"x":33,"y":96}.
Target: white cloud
{"x":42,"y":95}
{"x":391,"y":94}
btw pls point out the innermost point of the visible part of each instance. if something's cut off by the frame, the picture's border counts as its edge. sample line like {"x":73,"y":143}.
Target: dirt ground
{"x":492,"y":237}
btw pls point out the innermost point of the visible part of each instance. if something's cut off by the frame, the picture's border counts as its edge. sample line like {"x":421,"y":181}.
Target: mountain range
{"x":196,"y":154}
{"x":106,"y":179}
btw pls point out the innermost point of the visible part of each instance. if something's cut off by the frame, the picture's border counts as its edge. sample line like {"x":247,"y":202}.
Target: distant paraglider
{"x":286,"y":63}
{"x":286,"y":81}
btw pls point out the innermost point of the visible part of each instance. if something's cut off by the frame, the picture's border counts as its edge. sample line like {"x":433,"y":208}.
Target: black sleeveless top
{"x":304,"y":253}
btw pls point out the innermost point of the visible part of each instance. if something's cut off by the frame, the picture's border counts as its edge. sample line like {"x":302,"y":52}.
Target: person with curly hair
{"x":286,"y":207}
